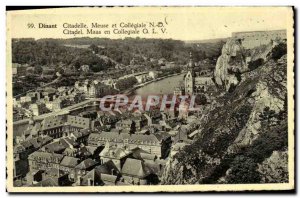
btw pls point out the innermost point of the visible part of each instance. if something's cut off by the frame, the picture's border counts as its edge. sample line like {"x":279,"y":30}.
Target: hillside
{"x":79,"y":51}
{"x":244,"y":139}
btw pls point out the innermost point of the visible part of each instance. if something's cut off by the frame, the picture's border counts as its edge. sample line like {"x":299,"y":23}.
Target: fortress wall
{"x":257,"y":38}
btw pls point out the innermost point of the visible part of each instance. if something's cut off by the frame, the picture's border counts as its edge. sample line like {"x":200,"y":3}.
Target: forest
{"x":53,"y":52}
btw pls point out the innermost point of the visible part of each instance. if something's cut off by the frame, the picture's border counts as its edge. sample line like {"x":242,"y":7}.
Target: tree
{"x":38,"y":69}
{"x":243,"y":171}
{"x":94,"y":48}
{"x":278,"y":51}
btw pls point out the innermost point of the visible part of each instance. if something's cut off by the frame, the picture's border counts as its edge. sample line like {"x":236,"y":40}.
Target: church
{"x":198,"y":79}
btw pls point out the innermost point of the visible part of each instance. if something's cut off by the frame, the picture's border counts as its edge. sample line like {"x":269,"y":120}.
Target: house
{"x":80,"y":136}
{"x":109,"y":168}
{"x":83,"y":168}
{"x":53,"y":126}
{"x":20,"y":168}
{"x":24,"y":99}
{"x":23,"y":150}
{"x":92,"y":178}
{"x":49,"y":93}
{"x":71,"y":152}
{"x":126,"y":125}
{"x":115,"y":154}
{"x":77,"y":123}
{"x":135,"y":172}
{"x":34,"y":96}
{"x":158,"y":143}
{"x":59,"y":126}
{"x":57,"y":175}
{"x":38,"y":109}
{"x":101,"y":175}
{"x":153,"y":74}
{"x":56,"y":105}
{"x":39,"y":160}
{"x":33,"y":177}
{"x":68,"y":142}
{"x":68,"y":165}
{"x":54,"y":147}
{"x":132,"y":124}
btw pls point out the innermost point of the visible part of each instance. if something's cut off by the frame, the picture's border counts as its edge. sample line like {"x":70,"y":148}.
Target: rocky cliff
{"x":246,"y":124}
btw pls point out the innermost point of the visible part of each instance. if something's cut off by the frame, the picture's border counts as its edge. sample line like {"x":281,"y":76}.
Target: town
{"x":63,"y":138}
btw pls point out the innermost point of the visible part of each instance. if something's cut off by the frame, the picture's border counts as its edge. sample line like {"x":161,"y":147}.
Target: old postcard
{"x":150,"y":99}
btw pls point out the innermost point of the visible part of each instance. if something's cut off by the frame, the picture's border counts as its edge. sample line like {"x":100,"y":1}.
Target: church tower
{"x":190,"y":77}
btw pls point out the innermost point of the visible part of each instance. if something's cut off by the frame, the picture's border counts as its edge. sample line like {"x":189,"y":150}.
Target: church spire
{"x":191,"y":64}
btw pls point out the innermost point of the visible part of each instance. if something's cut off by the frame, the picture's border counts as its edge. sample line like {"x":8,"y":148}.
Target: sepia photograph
{"x":150,"y":99}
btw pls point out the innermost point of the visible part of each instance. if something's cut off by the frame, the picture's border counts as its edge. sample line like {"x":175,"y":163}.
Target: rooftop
{"x":134,"y":167}
{"x":71,"y":162}
{"x":86,"y":164}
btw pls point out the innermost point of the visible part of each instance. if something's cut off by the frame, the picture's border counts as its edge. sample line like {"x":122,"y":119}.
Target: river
{"x":164,"y":86}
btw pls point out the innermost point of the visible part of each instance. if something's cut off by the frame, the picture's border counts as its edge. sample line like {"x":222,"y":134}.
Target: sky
{"x":183,"y":23}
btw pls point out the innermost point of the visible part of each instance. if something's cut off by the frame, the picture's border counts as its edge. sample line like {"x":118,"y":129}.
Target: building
{"x":76,"y":123}
{"x":53,"y":126}
{"x":83,"y":168}
{"x":153,"y":74}
{"x":80,"y":136}
{"x":57,"y":175}
{"x":23,"y":150}
{"x":158,"y":144}
{"x":256,"y":38}
{"x":59,"y":126}
{"x":115,"y":154}
{"x":92,"y":178}
{"x":38,"y":109}
{"x":199,"y":81}
{"x":34,"y":177}
{"x":135,"y":172}
{"x":42,"y":160}
{"x":68,"y":165}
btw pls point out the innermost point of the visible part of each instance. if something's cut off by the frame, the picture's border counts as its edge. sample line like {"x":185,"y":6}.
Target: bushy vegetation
{"x":255,"y":64}
{"x":278,"y":51}
{"x":126,"y":83}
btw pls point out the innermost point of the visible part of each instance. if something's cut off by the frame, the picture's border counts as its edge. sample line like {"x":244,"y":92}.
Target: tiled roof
{"x":46,"y":157}
{"x":54,"y":172}
{"x":26,"y":144}
{"x":91,"y":149}
{"x":53,"y":122}
{"x":78,"y":121}
{"x":86,"y":164}
{"x":93,"y":175}
{"x":55,"y":147}
{"x":40,"y":141}
{"x":109,"y":178}
{"x":114,"y":152}
{"x":132,"y":138}
{"x":81,"y":133}
{"x":135,"y":168}
{"x":108,"y":168}
{"x":71,"y":162}
{"x":67,"y":142}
